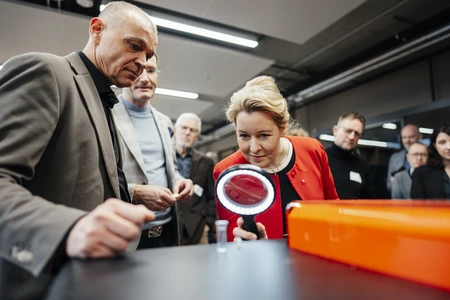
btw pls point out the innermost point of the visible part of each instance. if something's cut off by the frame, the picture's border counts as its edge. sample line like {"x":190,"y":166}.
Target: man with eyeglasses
{"x":401,"y":185}
{"x":150,"y":163}
{"x":351,"y":174}
{"x":198,"y":214}
{"x":397,"y":162}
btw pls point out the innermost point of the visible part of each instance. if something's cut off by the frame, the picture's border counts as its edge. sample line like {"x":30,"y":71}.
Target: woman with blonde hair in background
{"x":298,"y":165}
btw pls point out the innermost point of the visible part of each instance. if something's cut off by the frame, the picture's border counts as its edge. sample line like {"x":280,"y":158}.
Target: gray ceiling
{"x":301,"y":42}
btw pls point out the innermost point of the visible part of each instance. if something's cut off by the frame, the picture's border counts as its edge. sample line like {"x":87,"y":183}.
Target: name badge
{"x":355,"y":177}
{"x":198,"y":190}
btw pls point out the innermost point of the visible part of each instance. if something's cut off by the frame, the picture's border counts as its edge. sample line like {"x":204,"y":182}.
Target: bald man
{"x":63,"y":193}
{"x":410,"y":134}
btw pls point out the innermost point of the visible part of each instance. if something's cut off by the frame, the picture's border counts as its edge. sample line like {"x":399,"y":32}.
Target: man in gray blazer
{"x":198,"y":214}
{"x":58,"y":156}
{"x":149,"y":165}
{"x":401,"y":186}
{"x":410,"y":134}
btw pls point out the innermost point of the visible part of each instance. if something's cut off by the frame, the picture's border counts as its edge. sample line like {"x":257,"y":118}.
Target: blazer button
{"x":22,"y":256}
{"x":303,"y":181}
{"x":292,"y":173}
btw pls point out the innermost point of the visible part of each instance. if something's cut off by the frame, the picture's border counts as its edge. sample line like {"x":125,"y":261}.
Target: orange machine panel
{"x":407,"y":239}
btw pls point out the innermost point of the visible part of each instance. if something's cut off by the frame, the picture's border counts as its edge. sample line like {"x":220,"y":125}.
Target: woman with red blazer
{"x":298,"y":166}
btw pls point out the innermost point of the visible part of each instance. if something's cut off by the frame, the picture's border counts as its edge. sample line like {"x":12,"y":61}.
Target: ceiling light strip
{"x":391,"y":126}
{"x":330,"y":138}
{"x":200,"y":31}
{"x":176,"y":93}
{"x":204,"y":32}
{"x":426,"y":130}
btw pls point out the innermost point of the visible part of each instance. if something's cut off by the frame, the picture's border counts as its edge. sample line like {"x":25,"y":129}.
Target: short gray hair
{"x":190,"y":115}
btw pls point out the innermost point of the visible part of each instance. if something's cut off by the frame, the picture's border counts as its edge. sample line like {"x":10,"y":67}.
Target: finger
{"x":138,"y":214}
{"x":262,"y":231}
{"x":121,"y":227}
{"x":166,"y":190}
{"x":184,"y":195}
{"x":240,"y":222}
{"x":169,"y":199}
{"x":114,"y":242}
{"x":85,"y":240}
{"x":176,"y":187}
{"x":157,"y":207}
{"x":239,"y":232}
{"x":102,"y":251}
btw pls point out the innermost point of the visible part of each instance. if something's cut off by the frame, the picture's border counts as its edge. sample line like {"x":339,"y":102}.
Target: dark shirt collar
{"x":339,"y":152}
{"x":100,"y":81}
{"x":189,"y":154}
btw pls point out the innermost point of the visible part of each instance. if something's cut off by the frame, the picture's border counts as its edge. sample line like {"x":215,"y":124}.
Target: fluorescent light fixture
{"x":330,"y":138}
{"x":326,"y":137}
{"x":372,"y":143}
{"x":391,"y":126}
{"x":1,"y":66}
{"x":199,"y":31}
{"x":175,"y":93}
{"x":426,"y":130}
{"x":85,"y":3}
{"x":204,"y":32}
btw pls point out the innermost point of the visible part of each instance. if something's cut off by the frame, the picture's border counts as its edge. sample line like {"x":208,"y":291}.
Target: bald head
{"x":410,"y":135}
{"x":122,"y":39}
{"x":115,"y":13}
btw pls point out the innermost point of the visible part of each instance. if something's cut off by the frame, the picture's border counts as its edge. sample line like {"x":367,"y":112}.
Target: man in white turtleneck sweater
{"x":150,"y":163}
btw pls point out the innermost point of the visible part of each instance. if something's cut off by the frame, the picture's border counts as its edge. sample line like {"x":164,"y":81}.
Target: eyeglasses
{"x":349,"y":131}
{"x":184,"y":128}
{"x":417,"y":155}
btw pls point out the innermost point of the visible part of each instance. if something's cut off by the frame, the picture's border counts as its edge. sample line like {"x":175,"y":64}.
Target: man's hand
{"x":246,"y":235}
{"x":107,"y":230}
{"x":184,"y":188}
{"x":154,"y":197}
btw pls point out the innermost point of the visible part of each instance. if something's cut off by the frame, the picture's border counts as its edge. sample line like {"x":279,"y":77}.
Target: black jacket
{"x":342,"y":163}
{"x":428,"y":183}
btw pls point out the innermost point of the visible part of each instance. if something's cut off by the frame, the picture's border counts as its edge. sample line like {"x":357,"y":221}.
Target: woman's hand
{"x":246,"y":235}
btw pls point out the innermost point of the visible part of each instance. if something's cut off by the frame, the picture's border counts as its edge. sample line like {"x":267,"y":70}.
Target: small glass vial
{"x":221,"y":227}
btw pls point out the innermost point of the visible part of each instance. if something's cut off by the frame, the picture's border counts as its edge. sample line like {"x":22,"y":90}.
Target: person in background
{"x":296,"y":129}
{"x":432,"y":180}
{"x":351,"y":174}
{"x":150,"y":163}
{"x":410,"y":134}
{"x":60,"y":163}
{"x":401,"y":186}
{"x":198,"y":214}
{"x":299,"y":164}
{"x":213,"y":155}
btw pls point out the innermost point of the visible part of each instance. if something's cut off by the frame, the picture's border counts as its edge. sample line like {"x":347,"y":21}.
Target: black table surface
{"x":255,"y":270}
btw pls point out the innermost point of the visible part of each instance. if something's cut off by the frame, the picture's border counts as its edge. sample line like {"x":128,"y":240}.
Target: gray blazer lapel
{"x":128,"y":132}
{"x":92,"y":100}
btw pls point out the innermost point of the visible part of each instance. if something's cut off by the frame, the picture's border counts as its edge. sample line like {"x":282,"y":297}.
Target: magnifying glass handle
{"x":250,"y":225}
